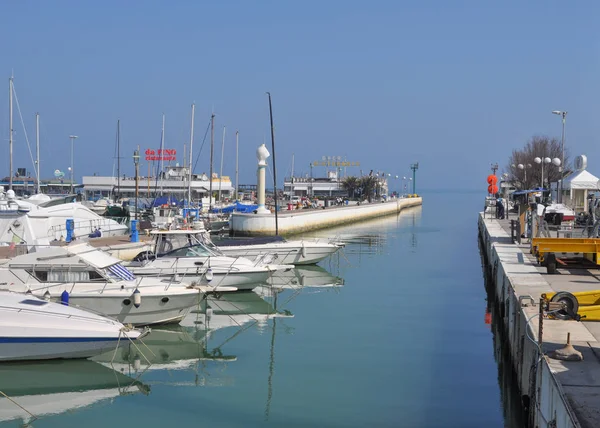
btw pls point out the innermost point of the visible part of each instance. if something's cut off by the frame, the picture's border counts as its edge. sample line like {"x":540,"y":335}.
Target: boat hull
{"x":243,"y":281}
{"x":153,"y":309}
{"x":289,"y":256}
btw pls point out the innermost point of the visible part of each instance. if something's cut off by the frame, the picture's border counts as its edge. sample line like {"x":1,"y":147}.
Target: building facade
{"x":172,"y":181}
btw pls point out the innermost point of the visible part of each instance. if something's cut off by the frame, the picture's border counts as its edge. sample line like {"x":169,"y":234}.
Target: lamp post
{"x":403,"y":186}
{"x":73,"y":138}
{"x":542,"y":161}
{"x":524,"y":169}
{"x":563,"y":114}
{"x":136,"y":162}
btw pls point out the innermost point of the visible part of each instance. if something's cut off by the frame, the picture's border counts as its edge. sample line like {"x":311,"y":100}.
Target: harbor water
{"x":395,"y":331}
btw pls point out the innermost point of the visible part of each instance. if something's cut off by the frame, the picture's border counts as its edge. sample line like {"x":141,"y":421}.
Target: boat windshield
{"x":170,"y":244}
{"x":191,"y":251}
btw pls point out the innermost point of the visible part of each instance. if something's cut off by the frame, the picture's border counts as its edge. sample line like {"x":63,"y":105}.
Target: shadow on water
{"x":512,"y":407}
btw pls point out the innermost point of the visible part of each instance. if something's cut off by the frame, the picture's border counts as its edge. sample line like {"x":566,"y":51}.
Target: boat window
{"x":33,"y":302}
{"x":193,"y":251}
{"x":67,"y":275}
{"x":168,"y":243}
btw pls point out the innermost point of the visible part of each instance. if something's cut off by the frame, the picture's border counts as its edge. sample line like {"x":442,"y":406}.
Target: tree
{"x":350,"y":184}
{"x":530,"y":175}
{"x":367,"y":184}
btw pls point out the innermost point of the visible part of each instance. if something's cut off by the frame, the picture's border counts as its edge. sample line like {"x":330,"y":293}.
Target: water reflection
{"x":187,"y":347}
{"x":305,"y":276}
{"x":40,"y":389}
{"x":370,"y":237}
{"x":507,"y":378}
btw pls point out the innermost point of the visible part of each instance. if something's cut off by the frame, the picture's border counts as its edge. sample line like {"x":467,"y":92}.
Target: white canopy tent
{"x":577,"y":185}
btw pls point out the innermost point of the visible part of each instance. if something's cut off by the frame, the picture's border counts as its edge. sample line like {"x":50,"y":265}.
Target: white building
{"x":173,"y":181}
{"x":330,"y":186}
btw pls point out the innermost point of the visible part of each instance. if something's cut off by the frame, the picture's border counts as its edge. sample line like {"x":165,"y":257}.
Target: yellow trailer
{"x":581,"y":305}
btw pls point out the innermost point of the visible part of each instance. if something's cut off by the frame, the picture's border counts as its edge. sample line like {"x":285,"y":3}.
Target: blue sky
{"x":454,"y":85}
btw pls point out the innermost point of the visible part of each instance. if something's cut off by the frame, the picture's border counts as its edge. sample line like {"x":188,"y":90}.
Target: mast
{"x":292,"y":179}
{"x":221,"y":170}
{"x":274,"y":164}
{"x":212,"y":148}
{"x":118,"y":158}
{"x":37,"y":152}
{"x":162,"y":148}
{"x":10,"y":132}
{"x":292,"y":165}
{"x":191,"y":147}
{"x":237,"y":170}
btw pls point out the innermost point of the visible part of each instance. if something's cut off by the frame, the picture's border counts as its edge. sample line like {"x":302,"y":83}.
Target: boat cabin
{"x":75,"y":263}
{"x":182,"y":243}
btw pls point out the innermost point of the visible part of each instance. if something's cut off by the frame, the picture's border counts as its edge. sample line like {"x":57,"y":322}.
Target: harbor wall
{"x":297,"y":221}
{"x":543,"y":399}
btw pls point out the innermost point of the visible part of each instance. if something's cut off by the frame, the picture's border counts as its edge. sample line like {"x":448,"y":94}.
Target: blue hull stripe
{"x":57,"y":339}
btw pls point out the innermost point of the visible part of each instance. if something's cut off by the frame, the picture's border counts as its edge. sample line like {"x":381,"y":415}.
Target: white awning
{"x":581,"y":180}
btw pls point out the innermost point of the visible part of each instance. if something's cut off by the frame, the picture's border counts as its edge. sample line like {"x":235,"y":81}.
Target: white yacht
{"x":35,"y":329}
{"x":86,"y":277}
{"x":180,"y":253}
{"x":39,"y":224}
{"x":302,"y":252}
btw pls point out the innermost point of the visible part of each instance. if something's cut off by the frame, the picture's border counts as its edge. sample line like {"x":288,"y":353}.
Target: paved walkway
{"x":579,"y":380}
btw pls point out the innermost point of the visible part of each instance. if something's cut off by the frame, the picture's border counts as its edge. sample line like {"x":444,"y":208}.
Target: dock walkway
{"x":566,"y":393}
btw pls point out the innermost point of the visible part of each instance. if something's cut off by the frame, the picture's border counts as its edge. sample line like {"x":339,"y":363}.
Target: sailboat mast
{"x":274,"y":164}
{"x":212,"y":149}
{"x":162,"y":148}
{"x":191,"y":148}
{"x":37,"y":152}
{"x":10,"y":132}
{"x":237,"y":170}
{"x":221,"y":170}
{"x":118,"y":158}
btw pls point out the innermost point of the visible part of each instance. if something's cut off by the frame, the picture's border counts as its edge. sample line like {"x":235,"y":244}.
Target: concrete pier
{"x":555,"y":394}
{"x":297,"y":221}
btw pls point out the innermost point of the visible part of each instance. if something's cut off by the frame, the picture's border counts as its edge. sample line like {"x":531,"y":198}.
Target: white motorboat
{"x":302,"y":252}
{"x":49,"y":388}
{"x":39,"y":224}
{"x":88,"y":278}
{"x":35,"y":329}
{"x":180,"y":253}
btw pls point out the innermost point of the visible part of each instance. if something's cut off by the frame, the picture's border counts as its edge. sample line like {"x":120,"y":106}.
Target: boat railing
{"x":82,"y":227}
{"x":177,"y":278}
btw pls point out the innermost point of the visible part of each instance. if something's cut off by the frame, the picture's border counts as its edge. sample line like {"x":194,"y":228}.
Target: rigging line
{"x":25,"y":131}
{"x":200,"y":151}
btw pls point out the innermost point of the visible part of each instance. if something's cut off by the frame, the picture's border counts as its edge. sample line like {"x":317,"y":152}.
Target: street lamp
{"x":73,"y":138}
{"x":524,"y":169}
{"x":136,"y":162}
{"x":563,"y":114}
{"x":542,"y":161}
{"x":403,"y":186}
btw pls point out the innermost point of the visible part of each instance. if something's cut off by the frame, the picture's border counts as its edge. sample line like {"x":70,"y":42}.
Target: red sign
{"x":161,"y":155}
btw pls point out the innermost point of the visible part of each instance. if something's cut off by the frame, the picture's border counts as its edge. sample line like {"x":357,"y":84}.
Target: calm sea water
{"x":390,"y":333}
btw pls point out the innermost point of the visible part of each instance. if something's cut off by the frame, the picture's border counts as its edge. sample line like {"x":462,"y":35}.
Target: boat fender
{"x":47,"y":295}
{"x":209,"y":274}
{"x":209,"y":312}
{"x":303,"y":251}
{"x":137,"y":298}
{"x":64,"y":298}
